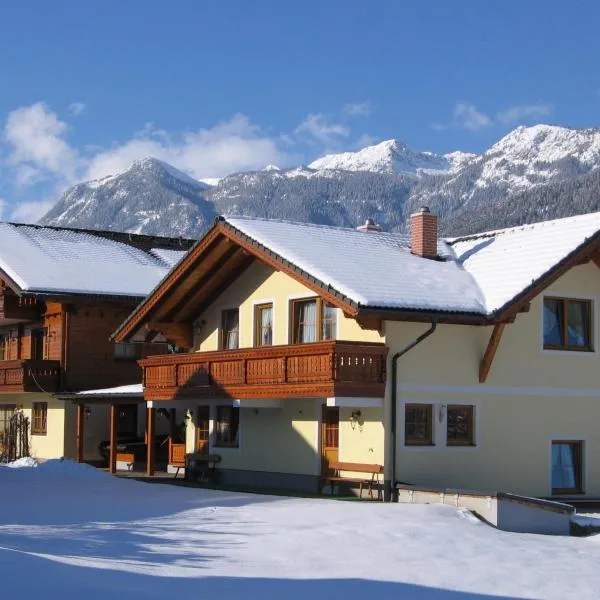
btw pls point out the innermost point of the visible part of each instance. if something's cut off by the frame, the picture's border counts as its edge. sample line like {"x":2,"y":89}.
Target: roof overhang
{"x":209,"y":268}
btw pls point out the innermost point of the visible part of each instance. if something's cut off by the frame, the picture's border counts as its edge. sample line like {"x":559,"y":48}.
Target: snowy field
{"x":68,"y":531}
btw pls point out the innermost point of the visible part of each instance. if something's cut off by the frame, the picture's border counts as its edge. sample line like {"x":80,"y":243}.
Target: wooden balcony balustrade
{"x":17,"y":308}
{"x":322,"y":369}
{"x":29,"y":375}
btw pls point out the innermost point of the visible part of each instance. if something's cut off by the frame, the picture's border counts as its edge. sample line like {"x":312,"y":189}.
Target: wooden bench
{"x":335,"y":476}
{"x":205,"y":464}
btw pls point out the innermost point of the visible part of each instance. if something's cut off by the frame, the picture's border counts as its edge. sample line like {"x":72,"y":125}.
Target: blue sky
{"x":215,"y":87}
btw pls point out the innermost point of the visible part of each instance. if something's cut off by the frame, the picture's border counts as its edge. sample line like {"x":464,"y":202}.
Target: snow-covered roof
{"x":505,"y":262}
{"x":136,"y":389}
{"x":478,"y":274}
{"x":62,"y":261}
{"x":371,"y":269}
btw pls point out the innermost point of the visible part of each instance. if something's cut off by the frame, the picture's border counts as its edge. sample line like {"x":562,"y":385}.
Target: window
{"x":230,"y":329}
{"x":6,"y":412}
{"x":128,"y":350}
{"x":567,"y":467}
{"x":312,"y":321}
{"x":418,"y":425}
{"x":227,"y":426}
{"x":263,"y":325}
{"x":39,"y":418}
{"x":4,"y":346}
{"x":567,"y":324}
{"x":459,"y":425}
{"x":38,"y":343}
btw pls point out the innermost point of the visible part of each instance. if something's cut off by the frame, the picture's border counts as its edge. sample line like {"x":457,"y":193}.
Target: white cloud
{"x":318,"y":128}
{"x":30,"y":212}
{"x":38,"y":148}
{"x":467,"y":116}
{"x":514,"y":114}
{"x":229,"y":146}
{"x":358,"y":109}
{"x":77,"y":108}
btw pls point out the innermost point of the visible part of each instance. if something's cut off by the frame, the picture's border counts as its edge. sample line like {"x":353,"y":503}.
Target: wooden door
{"x":330,"y":437}
{"x":202,"y":429}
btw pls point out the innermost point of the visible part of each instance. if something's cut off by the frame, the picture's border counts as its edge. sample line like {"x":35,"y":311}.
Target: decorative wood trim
{"x":490,"y":352}
{"x":322,"y":369}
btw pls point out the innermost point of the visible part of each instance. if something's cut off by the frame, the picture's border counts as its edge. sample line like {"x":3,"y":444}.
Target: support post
{"x":490,"y":352}
{"x":150,"y":440}
{"x":80,"y":431}
{"x":112,"y":465}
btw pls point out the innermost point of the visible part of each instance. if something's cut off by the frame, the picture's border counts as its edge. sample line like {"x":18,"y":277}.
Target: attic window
{"x":567,"y":324}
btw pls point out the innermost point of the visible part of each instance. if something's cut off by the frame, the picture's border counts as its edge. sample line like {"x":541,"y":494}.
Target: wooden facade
{"x":331,"y":368}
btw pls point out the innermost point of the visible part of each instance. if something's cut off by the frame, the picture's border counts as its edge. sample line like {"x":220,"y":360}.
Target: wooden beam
{"x":80,"y":431}
{"x":151,"y":421}
{"x":490,"y":352}
{"x":112,"y":463}
{"x":211,"y":267}
{"x":180,"y":333}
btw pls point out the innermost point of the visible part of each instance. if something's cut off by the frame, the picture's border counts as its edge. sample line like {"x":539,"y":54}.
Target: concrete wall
{"x":532,"y":396}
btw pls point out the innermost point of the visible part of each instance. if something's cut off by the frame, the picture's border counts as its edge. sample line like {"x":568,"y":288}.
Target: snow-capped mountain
{"x":386,"y":181}
{"x":391,"y":156}
{"x":150,"y":197}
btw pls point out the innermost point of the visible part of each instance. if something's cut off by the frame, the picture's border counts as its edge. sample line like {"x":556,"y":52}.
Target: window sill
{"x":461,"y":445}
{"x":419,"y":444}
{"x":563,"y":493}
{"x":226,"y":446}
{"x":568,"y":350}
{"x":41,"y":433}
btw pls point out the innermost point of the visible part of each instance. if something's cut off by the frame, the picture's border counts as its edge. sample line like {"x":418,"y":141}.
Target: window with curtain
{"x":227,"y":426}
{"x":418,"y":425}
{"x":230,"y":329}
{"x":567,"y":467}
{"x":38,"y":343}
{"x":263,"y":325}
{"x":567,"y":324}
{"x":313,"y":320}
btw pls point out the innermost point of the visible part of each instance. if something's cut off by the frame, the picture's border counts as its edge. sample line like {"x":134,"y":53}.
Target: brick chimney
{"x":423,"y":233}
{"x":369,"y":226}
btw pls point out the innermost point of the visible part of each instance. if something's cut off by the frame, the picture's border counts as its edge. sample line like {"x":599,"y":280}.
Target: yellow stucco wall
{"x":257,"y":285}
{"x":531,"y":397}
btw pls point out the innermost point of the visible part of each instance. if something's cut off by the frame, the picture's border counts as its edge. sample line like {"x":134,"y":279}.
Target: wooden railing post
{"x":112,"y":464}
{"x":80,"y":431}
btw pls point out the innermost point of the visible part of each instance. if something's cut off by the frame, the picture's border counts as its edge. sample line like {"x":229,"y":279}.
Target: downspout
{"x":390,"y":475}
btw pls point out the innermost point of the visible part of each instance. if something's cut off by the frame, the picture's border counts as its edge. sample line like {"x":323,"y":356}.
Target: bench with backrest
{"x":337,"y":468}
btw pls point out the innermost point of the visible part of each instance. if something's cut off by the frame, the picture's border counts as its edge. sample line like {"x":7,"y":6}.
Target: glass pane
{"x":564,"y":466}
{"x":553,"y":320}
{"x":266,"y":326}
{"x":329,"y":322}
{"x":578,"y":324}
{"x":307,"y":326}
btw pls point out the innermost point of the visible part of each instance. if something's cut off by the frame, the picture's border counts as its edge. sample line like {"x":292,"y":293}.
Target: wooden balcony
{"x":17,"y":308}
{"x":29,"y":375}
{"x":323,"y":369}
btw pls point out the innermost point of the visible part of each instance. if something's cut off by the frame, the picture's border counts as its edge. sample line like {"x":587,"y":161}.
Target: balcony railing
{"x":29,"y":375}
{"x":332,"y":368}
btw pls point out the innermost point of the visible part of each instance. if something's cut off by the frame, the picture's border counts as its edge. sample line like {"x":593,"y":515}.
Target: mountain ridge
{"x":386,"y":181}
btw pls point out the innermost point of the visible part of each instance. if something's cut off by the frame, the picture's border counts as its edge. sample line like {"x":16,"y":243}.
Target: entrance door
{"x":202,"y":429}
{"x":6,"y":412}
{"x":330,"y":437}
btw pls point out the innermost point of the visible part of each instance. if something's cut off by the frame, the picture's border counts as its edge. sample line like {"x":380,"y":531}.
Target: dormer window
{"x":567,"y":324}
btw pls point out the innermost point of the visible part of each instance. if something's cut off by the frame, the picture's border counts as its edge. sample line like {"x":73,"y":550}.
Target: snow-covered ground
{"x":68,"y":531}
